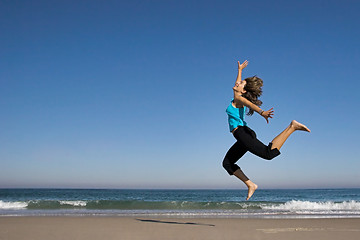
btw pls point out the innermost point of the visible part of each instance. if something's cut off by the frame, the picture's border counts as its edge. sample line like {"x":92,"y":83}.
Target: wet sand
{"x":133,"y":228}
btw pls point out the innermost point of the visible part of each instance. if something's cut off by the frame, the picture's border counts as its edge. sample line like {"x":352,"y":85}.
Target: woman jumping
{"x":246,"y":94}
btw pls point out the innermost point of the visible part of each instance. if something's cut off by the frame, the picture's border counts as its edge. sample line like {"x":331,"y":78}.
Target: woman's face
{"x":239,"y":87}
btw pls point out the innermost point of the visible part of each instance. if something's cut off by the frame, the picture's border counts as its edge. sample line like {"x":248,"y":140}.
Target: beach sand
{"x":133,"y":228}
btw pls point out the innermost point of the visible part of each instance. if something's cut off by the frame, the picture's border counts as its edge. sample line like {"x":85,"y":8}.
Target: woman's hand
{"x":268,"y":114}
{"x":243,"y":65}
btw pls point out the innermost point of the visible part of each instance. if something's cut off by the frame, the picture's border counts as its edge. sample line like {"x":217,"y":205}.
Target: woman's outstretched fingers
{"x":243,"y":65}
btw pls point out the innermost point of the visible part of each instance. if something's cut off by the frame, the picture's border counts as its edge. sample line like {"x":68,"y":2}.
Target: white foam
{"x":316,"y":206}
{"x":74,"y":203}
{"x":13,"y":205}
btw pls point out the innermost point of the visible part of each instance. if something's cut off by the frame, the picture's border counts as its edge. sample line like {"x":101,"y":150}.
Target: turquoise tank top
{"x":235,"y":116}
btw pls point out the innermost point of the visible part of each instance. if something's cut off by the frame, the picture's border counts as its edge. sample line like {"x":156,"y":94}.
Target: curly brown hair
{"x":253,"y":89}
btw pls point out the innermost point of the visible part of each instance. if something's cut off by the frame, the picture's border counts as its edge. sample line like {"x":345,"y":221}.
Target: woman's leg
{"x":247,"y":137}
{"x":251,"y":186}
{"x":279,"y":140}
{"x":247,"y":140}
{"x":232,"y":156}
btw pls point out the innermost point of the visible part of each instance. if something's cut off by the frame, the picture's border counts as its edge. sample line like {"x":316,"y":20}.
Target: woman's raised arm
{"x":240,"y":68}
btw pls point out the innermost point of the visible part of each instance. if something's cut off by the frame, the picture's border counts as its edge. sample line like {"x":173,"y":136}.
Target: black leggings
{"x":246,"y":141}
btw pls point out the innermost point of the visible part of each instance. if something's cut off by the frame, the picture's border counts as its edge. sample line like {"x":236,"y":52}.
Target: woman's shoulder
{"x":236,"y":104}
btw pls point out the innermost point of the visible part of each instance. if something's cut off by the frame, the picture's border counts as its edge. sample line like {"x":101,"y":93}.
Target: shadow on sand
{"x":171,"y":222}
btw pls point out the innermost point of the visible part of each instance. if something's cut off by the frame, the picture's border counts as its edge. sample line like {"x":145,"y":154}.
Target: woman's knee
{"x":271,"y":153}
{"x":229,"y":166}
{"x":268,"y":157}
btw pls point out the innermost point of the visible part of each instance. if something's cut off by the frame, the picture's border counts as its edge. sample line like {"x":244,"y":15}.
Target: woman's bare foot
{"x":251,"y":190}
{"x":298,"y":126}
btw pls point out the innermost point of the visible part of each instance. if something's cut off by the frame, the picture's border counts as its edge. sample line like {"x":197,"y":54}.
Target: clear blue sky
{"x":132,"y":94}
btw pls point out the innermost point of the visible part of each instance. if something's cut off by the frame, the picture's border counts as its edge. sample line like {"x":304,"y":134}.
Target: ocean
{"x":285,"y":203}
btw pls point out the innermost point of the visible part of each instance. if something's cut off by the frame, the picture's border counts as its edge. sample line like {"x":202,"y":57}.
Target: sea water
{"x":285,"y":203}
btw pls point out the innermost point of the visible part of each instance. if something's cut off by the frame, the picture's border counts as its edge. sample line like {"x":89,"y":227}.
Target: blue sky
{"x":132,"y":94}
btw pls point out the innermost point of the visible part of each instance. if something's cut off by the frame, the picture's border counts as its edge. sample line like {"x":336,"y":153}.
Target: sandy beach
{"x":14,"y":228}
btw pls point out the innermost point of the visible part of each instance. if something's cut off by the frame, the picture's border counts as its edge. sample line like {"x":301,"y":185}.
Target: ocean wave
{"x":296,"y":205}
{"x":127,"y":205}
{"x":13,"y":205}
{"x":168,"y":205}
{"x":74,"y":203}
